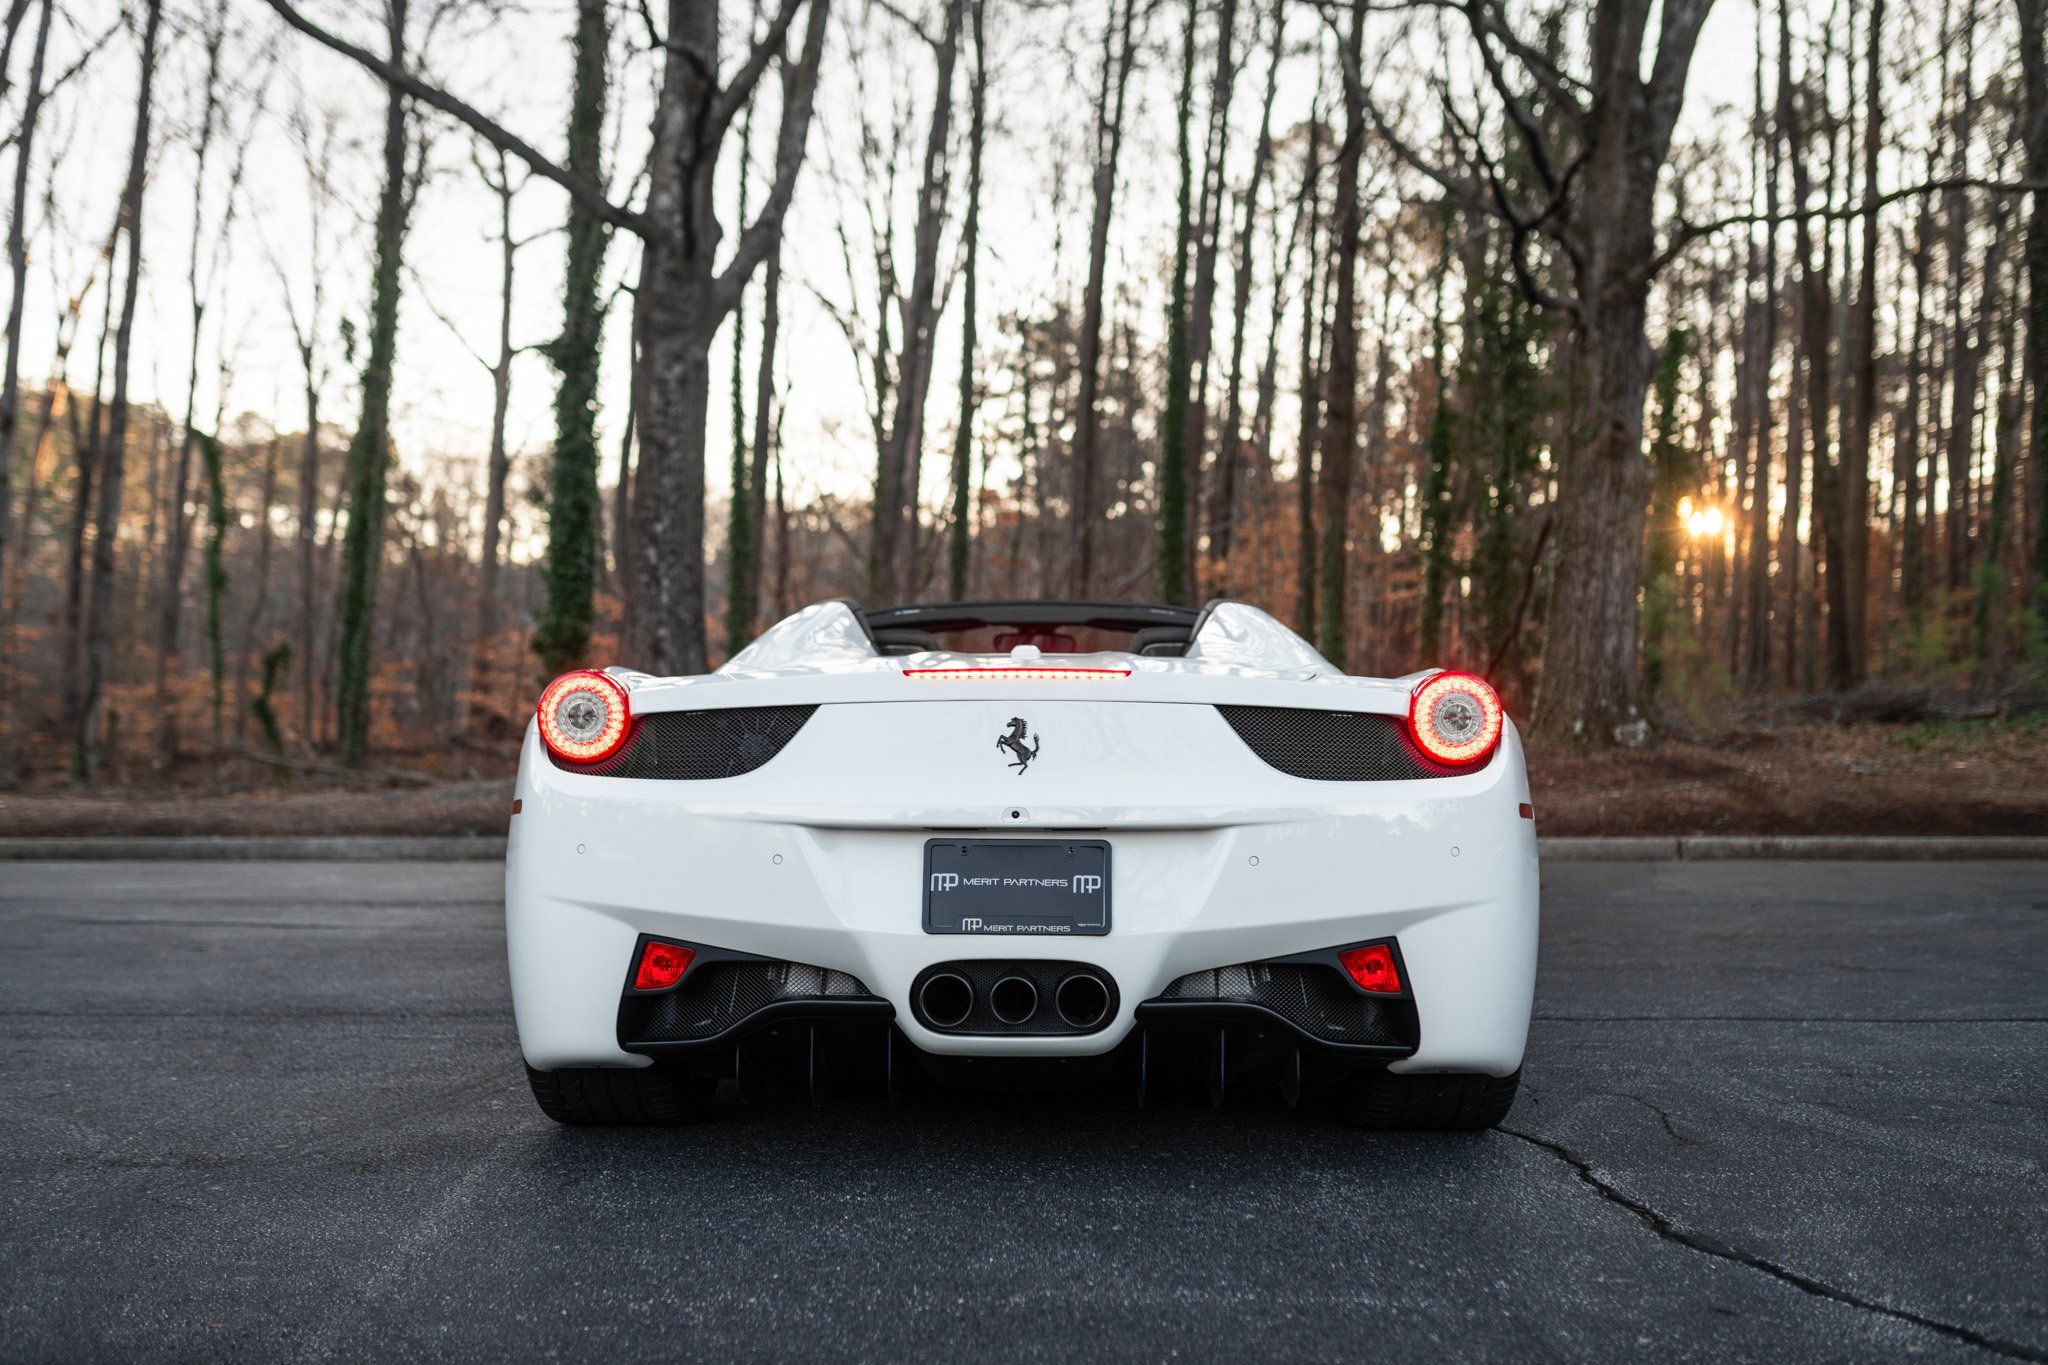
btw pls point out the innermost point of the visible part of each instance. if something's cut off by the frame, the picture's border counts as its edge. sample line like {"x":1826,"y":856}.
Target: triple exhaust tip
{"x":947,"y":999}
{"x":1082,"y":999}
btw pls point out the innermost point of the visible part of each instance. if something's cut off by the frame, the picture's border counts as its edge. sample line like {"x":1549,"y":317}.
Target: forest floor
{"x":1941,"y":778}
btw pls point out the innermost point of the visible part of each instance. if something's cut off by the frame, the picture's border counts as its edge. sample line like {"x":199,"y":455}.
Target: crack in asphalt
{"x":1662,"y":1117}
{"x":1693,"y":1241}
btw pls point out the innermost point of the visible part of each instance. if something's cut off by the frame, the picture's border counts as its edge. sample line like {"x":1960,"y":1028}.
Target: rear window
{"x":1054,"y":637}
{"x":1054,"y":628}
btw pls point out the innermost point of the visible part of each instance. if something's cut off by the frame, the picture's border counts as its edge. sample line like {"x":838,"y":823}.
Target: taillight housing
{"x":1372,"y":968}
{"x":584,"y":716}
{"x":1456,"y":718}
{"x":661,"y":965}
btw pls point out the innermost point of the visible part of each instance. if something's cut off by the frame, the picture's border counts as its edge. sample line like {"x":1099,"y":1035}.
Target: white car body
{"x":818,"y":855}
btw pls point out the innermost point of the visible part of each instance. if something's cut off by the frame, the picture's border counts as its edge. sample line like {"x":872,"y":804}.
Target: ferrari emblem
{"x":1014,"y":740}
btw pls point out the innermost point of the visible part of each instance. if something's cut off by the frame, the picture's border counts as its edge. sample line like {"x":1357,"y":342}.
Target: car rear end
{"x":967,"y":863}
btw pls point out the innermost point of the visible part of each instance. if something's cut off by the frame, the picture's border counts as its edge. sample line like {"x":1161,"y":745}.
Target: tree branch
{"x":1685,"y":234}
{"x":589,"y":195}
{"x":1517,"y":112}
{"x":741,"y":89}
{"x":759,"y":235}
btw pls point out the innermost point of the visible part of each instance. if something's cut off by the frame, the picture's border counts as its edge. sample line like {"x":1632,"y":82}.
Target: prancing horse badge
{"x":1014,"y":739}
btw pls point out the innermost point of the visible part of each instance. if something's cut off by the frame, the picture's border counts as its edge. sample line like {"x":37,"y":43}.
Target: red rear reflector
{"x":1372,"y":967}
{"x":661,"y":966}
{"x":1017,"y":674}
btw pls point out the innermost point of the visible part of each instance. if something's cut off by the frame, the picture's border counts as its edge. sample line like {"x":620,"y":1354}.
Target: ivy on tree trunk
{"x":563,"y":638}
{"x":369,"y":453}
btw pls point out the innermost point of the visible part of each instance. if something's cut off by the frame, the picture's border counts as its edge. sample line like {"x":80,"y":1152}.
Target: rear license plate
{"x":1016,"y":886}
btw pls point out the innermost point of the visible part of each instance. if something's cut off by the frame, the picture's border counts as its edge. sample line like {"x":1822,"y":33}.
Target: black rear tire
{"x":1388,"y":1101}
{"x":653,"y":1096}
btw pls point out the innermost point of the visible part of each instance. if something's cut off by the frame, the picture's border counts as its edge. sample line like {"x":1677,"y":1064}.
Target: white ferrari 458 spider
{"x":1010,"y":843}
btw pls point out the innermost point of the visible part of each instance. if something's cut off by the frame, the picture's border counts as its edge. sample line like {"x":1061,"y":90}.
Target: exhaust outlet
{"x":946,"y":1000}
{"x":1014,"y":1000}
{"x":1082,"y":999}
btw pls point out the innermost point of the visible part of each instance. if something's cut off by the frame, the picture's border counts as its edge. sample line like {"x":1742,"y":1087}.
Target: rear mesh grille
{"x":1333,"y":746}
{"x":1312,"y":998}
{"x":720,"y":994}
{"x":691,"y":746}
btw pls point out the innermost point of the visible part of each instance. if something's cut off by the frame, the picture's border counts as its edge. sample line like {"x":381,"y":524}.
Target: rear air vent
{"x":719,"y":996}
{"x":1310,"y":996}
{"x":689,"y":746}
{"x":1333,"y":746}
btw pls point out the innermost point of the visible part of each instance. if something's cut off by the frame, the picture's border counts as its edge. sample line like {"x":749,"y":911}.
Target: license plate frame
{"x":1021,"y":888}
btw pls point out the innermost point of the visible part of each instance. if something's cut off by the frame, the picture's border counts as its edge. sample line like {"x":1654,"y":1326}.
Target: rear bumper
{"x":1253,"y":866}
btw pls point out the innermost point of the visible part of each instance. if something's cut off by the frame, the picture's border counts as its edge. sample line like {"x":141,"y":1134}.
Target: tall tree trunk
{"x":259,"y":598}
{"x":960,"y":529}
{"x":1906,"y":431}
{"x":679,"y":306}
{"x":307,"y":534}
{"x":86,"y":450}
{"x":563,"y":637}
{"x":17,"y":263}
{"x":1862,"y":363}
{"x":1791,"y":553}
{"x":765,"y":423}
{"x":1230,"y":447}
{"x":1591,"y":675}
{"x":215,"y":570}
{"x":1202,"y":299}
{"x":622,"y":487}
{"x":1172,"y":549}
{"x":1309,"y":426}
{"x":499,"y":467}
{"x":1757,"y":662}
{"x":178,"y":526}
{"x":1989,"y":608}
{"x":1964,"y":360}
{"x":1119,"y":51}
{"x":740,"y":553}
{"x":1340,"y":386}
{"x":1816,"y":316}
{"x":892,"y":559}
{"x":369,"y":453}
{"x":2033,"y":16}
{"x":99,"y":649}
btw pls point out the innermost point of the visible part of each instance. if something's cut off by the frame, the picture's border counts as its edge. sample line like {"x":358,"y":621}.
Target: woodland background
{"x":1673,"y":364}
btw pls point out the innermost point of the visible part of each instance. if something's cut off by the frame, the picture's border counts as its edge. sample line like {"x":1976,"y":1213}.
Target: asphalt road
{"x":1771,"y":1110}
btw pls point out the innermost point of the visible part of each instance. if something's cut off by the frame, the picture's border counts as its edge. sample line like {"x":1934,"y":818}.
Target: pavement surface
{"x":1770,"y":1111}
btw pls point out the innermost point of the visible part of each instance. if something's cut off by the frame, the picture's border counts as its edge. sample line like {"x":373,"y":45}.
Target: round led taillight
{"x":584,"y":716}
{"x":1456,"y":718}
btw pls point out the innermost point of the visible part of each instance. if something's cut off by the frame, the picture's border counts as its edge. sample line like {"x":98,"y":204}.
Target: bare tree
{"x":1202,"y":295}
{"x":99,"y":651}
{"x":1230,"y":444}
{"x":1339,"y":430}
{"x":563,"y":634}
{"x":970,"y":247}
{"x":1119,"y":54}
{"x":682,"y":297}
{"x":17,"y":262}
{"x":2033,"y":17}
{"x":1597,"y":200}
{"x":309,"y":326}
{"x":891,"y":557}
